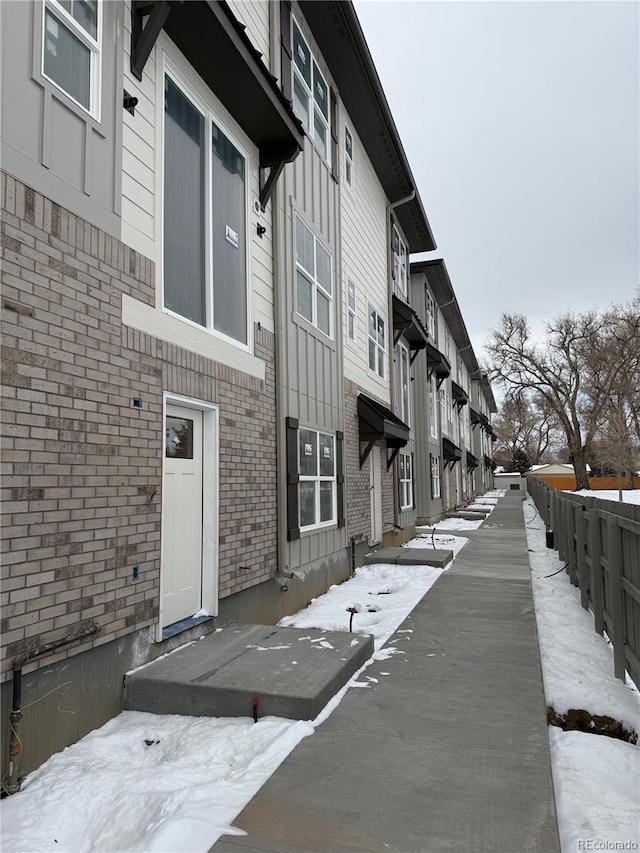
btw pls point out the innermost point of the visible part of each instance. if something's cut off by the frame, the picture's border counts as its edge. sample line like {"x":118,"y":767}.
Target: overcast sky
{"x":521,"y":124}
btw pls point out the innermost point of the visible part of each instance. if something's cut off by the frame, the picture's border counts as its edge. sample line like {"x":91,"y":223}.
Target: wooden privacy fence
{"x":567,"y":482}
{"x":600,"y":543}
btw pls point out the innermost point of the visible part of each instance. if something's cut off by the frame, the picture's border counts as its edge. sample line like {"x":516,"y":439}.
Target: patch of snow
{"x":629,"y":496}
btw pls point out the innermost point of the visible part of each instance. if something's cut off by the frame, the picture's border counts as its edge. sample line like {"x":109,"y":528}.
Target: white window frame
{"x":447,"y":343}
{"x":405,"y":483}
{"x":317,"y":479}
{"x":403,"y":380}
{"x":349,"y":165}
{"x":430,"y":311}
{"x":433,"y":408}
{"x":211,"y":116}
{"x":435,"y":477}
{"x":314,"y":110}
{"x":352,"y":311}
{"x":400,"y":254}
{"x":93,"y":45}
{"x":311,"y":276}
{"x":380,"y":349}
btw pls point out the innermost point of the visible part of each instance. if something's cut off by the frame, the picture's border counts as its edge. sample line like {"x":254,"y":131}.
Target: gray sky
{"x":521,"y":124}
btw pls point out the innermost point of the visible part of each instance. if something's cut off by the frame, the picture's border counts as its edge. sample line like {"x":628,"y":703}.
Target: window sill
{"x":153,"y":321}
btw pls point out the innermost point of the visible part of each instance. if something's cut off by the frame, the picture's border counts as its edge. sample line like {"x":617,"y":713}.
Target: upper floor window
{"x":403,"y":380}
{"x":430,"y":309}
{"x":317,"y":487}
{"x":205,"y":220}
{"x":447,"y":343}
{"x":310,"y":92}
{"x":399,"y":251}
{"x":376,"y":342}
{"x":433,"y":410}
{"x":348,"y":157}
{"x":71,"y":49}
{"x":313,"y":279}
{"x":351,"y":310}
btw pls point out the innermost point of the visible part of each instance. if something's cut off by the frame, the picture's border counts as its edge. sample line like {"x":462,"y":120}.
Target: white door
{"x":375,"y":490}
{"x":182,"y":515}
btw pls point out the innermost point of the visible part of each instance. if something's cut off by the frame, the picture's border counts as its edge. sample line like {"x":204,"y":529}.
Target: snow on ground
{"x":629,"y":496}
{"x":438,"y":541}
{"x":596,"y":778}
{"x":451,"y":524}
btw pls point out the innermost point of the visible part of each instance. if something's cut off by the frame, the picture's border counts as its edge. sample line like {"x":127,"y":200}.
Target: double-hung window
{"x":376,"y":342}
{"x":317,"y":486}
{"x":433,"y":409}
{"x":399,"y":252}
{"x":310,"y":92}
{"x":348,"y":157}
{"x":71,"y":42}
{"x":403,"y":380}
{"x":405,"y":484}
{"x":435,"y":476}
{"x":313,"y":279}
{"x":351,"y":310}
{"x":430,"y":308}
{"x":205,"y":219}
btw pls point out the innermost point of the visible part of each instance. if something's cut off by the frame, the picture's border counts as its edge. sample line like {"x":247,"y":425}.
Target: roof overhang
{"x":407,"y":323}
{"x":339,"y":36}
{"x":378,"y":423}
{"x":450,"y":451}
{"x":213,"y":41}
{"x":472,"y":461}
{"x":487,"y":390}
{"x":459,"y":395}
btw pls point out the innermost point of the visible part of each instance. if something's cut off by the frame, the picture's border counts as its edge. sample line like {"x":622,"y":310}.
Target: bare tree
{"x":527,"y":424}
{"x":572,"y":370}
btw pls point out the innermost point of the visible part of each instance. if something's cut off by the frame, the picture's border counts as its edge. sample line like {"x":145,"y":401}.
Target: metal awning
{"x":477,"y":417}
{"x":459,"y":395}
{"x":378,"y":423}
{"x":489,"y":463}
{"x":450,"y":452}
{"x":406,"y":322}
{"x":472,"y":461}
{"x":215,"y":44}
{"x":437,"y":364}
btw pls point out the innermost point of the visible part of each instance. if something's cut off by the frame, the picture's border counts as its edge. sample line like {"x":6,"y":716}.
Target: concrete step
{"x":468,"y":516}
{"x":438,"y":557}
{"x":292,"y":672}
{"x":478,"y":508}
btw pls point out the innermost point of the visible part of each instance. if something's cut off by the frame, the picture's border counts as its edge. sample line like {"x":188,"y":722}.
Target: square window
{"x":317,"y":487}
{"x":71,"y":52}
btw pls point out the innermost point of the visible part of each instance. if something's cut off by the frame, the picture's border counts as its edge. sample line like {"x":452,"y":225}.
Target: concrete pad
{"x":438,"y":557}
{"x":292,"y":672}
{"x":467,"y":515}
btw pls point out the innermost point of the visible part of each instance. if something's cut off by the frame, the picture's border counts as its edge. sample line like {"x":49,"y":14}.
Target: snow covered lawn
{"x":629,"y":496}
{"x":596,"y":778}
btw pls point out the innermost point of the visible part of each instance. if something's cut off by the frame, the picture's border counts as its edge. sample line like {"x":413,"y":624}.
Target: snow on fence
{"x":602,"y":551}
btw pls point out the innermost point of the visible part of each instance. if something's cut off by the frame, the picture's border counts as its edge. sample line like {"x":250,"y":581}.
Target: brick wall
{"x":82,"y":467}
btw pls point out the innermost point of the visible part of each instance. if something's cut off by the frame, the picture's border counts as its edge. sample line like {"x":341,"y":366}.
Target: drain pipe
{"x":15,"y":744}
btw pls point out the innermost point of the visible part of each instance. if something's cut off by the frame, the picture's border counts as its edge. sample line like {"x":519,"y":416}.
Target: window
{"x":205,"y":220}
{"x":376,"y":342}
{"x":435,"y":476}
{"x":348,"y":157}
{"x":71,"y":49}
{"x":430,"y":306}
{"x":310,"y":93}
{"x":403,"y":380}
{"x":443,"y":405}
{"x":433,"y":411}
{"x":351,"y":310}
{"x":405,"y":480}
{"x":313,"y":279}
{"x":399,"y":251}
{"x":317,"y":466}
{"x":447,"y":343}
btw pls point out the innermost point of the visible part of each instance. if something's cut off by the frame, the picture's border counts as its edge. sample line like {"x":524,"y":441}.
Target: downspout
{"x":15,"y":744}
{"x":278,"y":308}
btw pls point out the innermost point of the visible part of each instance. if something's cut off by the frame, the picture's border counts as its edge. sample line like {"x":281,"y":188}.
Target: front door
{"x":182,"y":515}
{"x":375,"y":490}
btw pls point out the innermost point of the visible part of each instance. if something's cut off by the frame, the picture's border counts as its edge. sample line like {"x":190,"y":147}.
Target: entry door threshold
{"x":183,"y":625}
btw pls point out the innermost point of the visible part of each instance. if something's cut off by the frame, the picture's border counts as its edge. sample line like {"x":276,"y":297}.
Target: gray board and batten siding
{"x":51,"y":143}
{"x":309,"y":363}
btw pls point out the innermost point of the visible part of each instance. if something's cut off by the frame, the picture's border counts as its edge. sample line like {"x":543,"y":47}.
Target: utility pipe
{"x":15,"y":744}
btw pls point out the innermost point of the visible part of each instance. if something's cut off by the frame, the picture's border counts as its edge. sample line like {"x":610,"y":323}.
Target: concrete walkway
{"x":449,"y":751}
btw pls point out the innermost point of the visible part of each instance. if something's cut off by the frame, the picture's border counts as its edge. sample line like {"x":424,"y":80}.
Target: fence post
{"x":617,"y":611}
{"x":596,"y":570}
{"x":581,"y":557}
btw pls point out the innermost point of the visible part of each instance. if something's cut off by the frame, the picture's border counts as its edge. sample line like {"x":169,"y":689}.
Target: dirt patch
{"x":578,"y":720}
